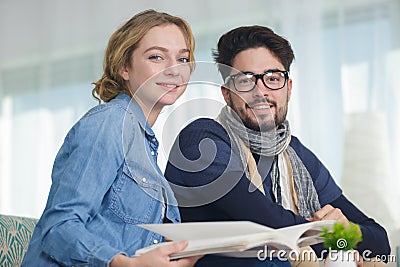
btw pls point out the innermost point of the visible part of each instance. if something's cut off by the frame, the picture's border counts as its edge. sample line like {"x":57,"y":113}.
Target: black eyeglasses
{"x":246,"y":81}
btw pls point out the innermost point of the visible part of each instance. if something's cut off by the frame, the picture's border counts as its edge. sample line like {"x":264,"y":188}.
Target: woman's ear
{"x":124,"y":72}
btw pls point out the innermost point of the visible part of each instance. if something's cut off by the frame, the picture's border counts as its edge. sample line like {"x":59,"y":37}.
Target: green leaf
{"x":341,"y":237}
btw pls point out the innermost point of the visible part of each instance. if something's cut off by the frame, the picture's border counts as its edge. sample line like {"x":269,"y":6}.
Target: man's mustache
{"x":262,"y":101}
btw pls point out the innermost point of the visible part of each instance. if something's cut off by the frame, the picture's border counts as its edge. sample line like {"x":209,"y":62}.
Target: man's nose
{"x":261,"y":89}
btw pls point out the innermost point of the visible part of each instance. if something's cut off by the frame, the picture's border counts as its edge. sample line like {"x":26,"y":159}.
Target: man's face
{"x":260,"y":109}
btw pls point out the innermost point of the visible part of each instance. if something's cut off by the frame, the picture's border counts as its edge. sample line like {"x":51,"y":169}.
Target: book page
{"x":309,"y":240}
{"x":207,"y":230}
{"x":306,"y":234}
{"x":218,"y":245}
{"x":235,"y":236}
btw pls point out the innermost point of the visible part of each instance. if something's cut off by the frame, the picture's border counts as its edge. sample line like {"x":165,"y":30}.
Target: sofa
{"x":15,"y":233}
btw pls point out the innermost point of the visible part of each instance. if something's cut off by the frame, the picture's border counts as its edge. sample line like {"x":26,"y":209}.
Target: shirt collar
{"x":134,"y":108}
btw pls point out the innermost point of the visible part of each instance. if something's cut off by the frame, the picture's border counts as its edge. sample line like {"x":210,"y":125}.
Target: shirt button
{"x":155,"y":241}
{"x":144,"y":179}
{"x":153,"y":140}
{"x":152,"y":153}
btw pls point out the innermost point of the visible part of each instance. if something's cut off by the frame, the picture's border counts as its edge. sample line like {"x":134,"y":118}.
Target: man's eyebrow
{"x":265,"y":71}
{"x":163,"y":49}
{"x":272,"y":70}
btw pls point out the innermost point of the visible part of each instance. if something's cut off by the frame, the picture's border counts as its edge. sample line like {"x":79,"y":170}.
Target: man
{"x":246,"y":165}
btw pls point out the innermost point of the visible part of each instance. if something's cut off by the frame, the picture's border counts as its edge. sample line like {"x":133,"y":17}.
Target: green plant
{"x":341,"y":237}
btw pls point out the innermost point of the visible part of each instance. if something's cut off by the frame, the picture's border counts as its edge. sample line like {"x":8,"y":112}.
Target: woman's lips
{"x":170,"y":87}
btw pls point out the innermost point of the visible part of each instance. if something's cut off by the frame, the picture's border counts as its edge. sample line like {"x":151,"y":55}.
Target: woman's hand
{"x":156,"y":257}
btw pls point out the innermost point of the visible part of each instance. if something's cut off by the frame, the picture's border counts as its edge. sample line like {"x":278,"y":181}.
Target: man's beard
{"x":261,"y":123}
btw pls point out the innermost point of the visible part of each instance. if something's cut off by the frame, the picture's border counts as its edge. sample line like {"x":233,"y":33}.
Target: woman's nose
{"x":172,"y":70}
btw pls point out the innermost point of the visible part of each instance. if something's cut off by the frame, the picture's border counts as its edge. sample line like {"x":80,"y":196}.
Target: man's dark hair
{"x":243,"y":38}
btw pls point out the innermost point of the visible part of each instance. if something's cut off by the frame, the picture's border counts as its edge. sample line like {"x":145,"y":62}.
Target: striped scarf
{"x":275,"y":145}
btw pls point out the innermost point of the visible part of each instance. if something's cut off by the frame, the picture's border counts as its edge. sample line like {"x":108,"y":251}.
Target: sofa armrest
{"x":15,"y":234}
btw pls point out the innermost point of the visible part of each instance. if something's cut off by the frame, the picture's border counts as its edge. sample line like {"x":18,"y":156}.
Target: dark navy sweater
{"x":212,"y":186}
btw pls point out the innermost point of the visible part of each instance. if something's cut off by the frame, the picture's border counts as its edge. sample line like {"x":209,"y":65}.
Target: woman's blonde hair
{"x":124,"y":41}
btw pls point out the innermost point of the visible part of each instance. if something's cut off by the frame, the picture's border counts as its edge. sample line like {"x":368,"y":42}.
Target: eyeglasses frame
{"x":258,"y":76}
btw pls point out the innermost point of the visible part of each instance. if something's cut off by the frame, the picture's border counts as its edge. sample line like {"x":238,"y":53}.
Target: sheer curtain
{"x":344,"y":106}
{"x":369,"y":63}
{"x":346,"y":98}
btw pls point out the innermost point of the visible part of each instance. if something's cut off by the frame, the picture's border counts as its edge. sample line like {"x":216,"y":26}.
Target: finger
{"x":310,"y":219}
{"x":319,"y":215}
{"x":173,"y":247}
{"x":359,"y":260}
{"x":337,"y":215}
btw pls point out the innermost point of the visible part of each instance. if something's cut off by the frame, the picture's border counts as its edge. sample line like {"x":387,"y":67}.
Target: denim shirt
{"x":105,"y":181}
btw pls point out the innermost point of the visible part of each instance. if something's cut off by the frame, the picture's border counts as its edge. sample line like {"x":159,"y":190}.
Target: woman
{"x":105,"y":178}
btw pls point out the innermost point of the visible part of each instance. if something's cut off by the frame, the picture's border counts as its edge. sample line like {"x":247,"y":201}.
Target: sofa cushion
{"x":15,"y":233}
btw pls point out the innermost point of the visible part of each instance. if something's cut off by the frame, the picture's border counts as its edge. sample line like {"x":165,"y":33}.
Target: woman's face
{"x":158,"y":73}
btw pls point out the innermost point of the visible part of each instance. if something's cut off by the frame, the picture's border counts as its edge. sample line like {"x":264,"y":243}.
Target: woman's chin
{"x":168,"y":99}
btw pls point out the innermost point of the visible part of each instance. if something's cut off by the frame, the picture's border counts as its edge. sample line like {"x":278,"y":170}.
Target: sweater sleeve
{"x":374,"y":237}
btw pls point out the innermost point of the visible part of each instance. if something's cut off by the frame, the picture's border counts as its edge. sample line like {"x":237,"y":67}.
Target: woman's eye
{"x":183,"y":60}
{"x":155,"y":57}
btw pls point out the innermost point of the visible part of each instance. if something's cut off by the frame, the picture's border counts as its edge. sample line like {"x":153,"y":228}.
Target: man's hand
{"x":157,"y":257}
{"x":359,"y":259}
{"x":328,"y":212}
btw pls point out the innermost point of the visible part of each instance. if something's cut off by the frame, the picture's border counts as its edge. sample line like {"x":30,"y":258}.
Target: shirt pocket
{"x":135,"y":199}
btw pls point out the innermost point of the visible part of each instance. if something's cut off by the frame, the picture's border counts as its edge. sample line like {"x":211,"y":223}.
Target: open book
{"x":235,"y":236}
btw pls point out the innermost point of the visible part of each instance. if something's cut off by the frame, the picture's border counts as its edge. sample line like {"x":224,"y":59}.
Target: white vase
{"x":340,"y":259}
